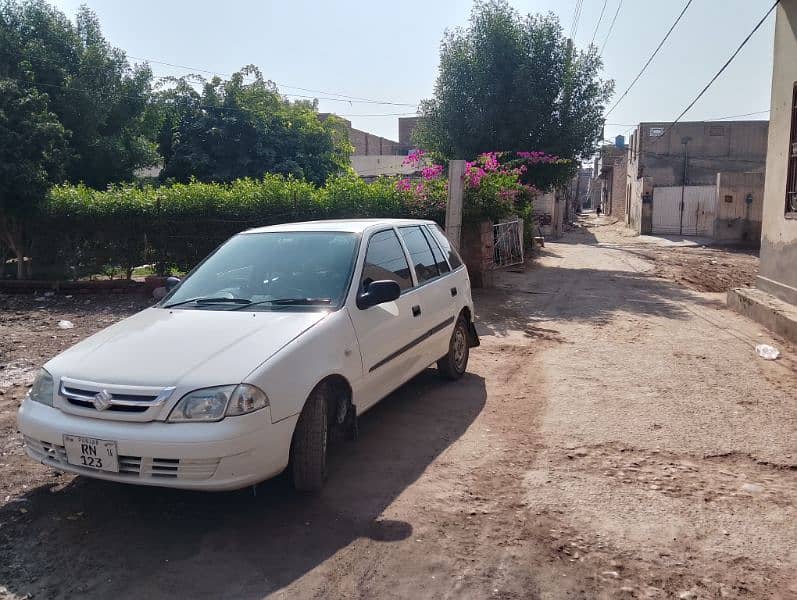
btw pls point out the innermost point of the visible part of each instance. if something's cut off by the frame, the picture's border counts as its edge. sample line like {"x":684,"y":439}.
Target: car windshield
{"x":299,"y":270}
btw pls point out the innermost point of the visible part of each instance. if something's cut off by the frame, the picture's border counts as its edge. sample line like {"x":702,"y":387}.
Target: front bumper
{"x":230,"y":454}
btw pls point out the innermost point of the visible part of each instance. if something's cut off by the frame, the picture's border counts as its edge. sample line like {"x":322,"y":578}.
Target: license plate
{"x":91,"y":453}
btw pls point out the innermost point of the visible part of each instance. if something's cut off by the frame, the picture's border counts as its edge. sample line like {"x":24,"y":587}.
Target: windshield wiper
{"x":289,"y":302}
{"x":211,"y":300}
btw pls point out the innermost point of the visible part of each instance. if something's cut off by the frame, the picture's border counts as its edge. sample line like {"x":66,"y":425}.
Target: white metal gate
{"x":699,"y":209}
{"x":508,"y":243}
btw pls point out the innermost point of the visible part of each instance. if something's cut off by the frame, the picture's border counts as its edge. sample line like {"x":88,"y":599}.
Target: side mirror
{"x":378,"y":292}
{"x":171,"y":283}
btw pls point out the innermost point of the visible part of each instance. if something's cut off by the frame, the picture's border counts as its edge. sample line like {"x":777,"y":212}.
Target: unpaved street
{"x":617,"y":436}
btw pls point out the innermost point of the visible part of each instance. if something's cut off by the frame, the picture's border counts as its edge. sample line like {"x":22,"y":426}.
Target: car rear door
{"x":436,"y":293}
{"x":387,"y":333}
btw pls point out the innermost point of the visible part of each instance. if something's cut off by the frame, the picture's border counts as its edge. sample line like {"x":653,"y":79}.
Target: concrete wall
{"x":369,"y":167}
{"x":778,"y":270}
{"x":547,"y":205}
{"x":617,"y":192}
{"x":740,"y":200}
{"x":640,"y":217}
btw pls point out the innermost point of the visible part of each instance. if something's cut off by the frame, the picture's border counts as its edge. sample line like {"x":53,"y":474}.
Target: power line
{"x":759,"y":112}
{"x":598,"y":24}
{"x":725,"y":66}
{"x":652,"y":56}
{"x":357,"y":99}
{"x":576,"y":17}
{"x":611,"y":26}
{"x":198,"y":105}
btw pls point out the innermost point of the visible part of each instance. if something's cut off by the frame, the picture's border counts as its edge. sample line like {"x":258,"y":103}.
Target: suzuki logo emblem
{"x":102,"y":400}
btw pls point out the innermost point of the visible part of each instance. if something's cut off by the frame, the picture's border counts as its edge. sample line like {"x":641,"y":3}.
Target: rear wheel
{"x":309,"y":447}
{"x":455,"y":362}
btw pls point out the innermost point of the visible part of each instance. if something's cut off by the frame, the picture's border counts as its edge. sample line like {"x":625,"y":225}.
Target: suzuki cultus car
{"x":277,"y":340}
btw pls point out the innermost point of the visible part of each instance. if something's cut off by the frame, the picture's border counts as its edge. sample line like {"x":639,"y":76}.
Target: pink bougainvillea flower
{"x":432,"y":172}
{"x":414,"y":157}
{"x":404,"y":185}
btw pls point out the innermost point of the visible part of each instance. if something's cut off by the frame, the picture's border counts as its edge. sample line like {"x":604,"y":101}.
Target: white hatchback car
{"x":272,"y":344}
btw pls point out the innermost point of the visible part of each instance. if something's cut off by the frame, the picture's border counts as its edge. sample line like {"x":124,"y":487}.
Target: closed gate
{"x":508,"y":243}
{"x":696,"y":217}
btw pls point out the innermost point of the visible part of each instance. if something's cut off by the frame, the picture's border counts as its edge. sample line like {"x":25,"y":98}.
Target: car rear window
{"x":453,"y":258}
{"x":442,"y":265}
{"x":420,"y":253}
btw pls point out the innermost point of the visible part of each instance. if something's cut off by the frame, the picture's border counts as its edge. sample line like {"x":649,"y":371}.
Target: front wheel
{"x":309,"y":447}
{"x":455,"y":362}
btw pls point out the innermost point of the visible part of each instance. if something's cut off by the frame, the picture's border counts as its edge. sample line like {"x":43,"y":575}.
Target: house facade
{"x":702,"y":178}
{"x":773,"y":302}
{"x":609,"y":179}
{"x":778,"y":271}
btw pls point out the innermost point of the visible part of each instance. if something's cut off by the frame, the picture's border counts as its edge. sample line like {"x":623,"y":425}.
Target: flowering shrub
{"x":497,"y":184}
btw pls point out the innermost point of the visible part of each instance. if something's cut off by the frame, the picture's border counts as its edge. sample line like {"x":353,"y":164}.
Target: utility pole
{"x":456,"y":190}
{"x":684,"y":141}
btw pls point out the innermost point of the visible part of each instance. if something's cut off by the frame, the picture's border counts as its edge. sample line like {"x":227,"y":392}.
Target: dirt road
{"x":616,"y":436}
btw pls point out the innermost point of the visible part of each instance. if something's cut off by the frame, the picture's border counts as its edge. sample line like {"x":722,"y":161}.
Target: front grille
{"x":113,"y":407}
{"x":70,"y":392}
{"x":130,"y":467}
{"x":123,"y":402}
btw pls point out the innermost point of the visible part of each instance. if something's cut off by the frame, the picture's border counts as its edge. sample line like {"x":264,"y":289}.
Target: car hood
{"x":162,"y":347}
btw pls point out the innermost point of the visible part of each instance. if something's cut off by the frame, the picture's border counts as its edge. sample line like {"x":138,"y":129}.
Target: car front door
{"x":387,"y":332}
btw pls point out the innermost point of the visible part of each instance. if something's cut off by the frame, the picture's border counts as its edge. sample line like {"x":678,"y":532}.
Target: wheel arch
{"x":473,"y":337}
{"x":337,"y":388}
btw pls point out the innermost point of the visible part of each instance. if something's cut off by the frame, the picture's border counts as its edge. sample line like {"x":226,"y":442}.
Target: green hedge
{"x":82,"y":231}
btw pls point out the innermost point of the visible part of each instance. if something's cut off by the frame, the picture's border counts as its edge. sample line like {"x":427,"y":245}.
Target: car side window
{"x":453,"y":258}
{"x":420,"y":253}
{"x":442,"y":265}
{"x":385,"y":259}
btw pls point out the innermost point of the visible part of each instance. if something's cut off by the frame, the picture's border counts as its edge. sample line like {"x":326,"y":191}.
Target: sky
{"x":389,"y":51}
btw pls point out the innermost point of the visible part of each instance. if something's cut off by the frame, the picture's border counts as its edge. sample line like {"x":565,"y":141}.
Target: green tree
{"x":508,"y":82}
{"x":89,"y":85}
{"x":32,"y":154}
{"x":234,"y":129}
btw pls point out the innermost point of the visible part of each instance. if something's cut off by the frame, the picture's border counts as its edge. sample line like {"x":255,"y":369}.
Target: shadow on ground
{"x":521,"y":301}
{"x":100,"y":540}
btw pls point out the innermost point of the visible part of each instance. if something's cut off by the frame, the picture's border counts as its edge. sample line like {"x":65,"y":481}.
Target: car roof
{"x":345,"y":225}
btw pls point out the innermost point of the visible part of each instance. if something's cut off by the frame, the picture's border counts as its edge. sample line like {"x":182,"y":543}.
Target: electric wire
{"x":723,"y":67}
{"x":598,"y":24}
{"x":652,"y":56}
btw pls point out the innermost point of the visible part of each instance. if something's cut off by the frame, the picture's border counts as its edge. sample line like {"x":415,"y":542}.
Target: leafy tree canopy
{"x":508,"y":82}
{"x":243,"y":127}
{"x":32,"y":152}
{"x":97,"y":97}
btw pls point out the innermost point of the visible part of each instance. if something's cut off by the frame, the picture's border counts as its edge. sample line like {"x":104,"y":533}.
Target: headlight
{"x":245,"y":399}
{"x":213,"y":404}
{"x":43,"y":388}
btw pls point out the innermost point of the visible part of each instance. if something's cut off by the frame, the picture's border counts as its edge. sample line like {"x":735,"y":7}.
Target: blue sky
{"x":388,"y":51}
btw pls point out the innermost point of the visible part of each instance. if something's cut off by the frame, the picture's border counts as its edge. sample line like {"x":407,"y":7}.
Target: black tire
{"x":309,"y":447}
{"x":453,"y":365}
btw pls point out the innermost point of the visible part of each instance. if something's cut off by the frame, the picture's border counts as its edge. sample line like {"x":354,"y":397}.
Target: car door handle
{"x":453,"y":291}
{"x":416,"y":310}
